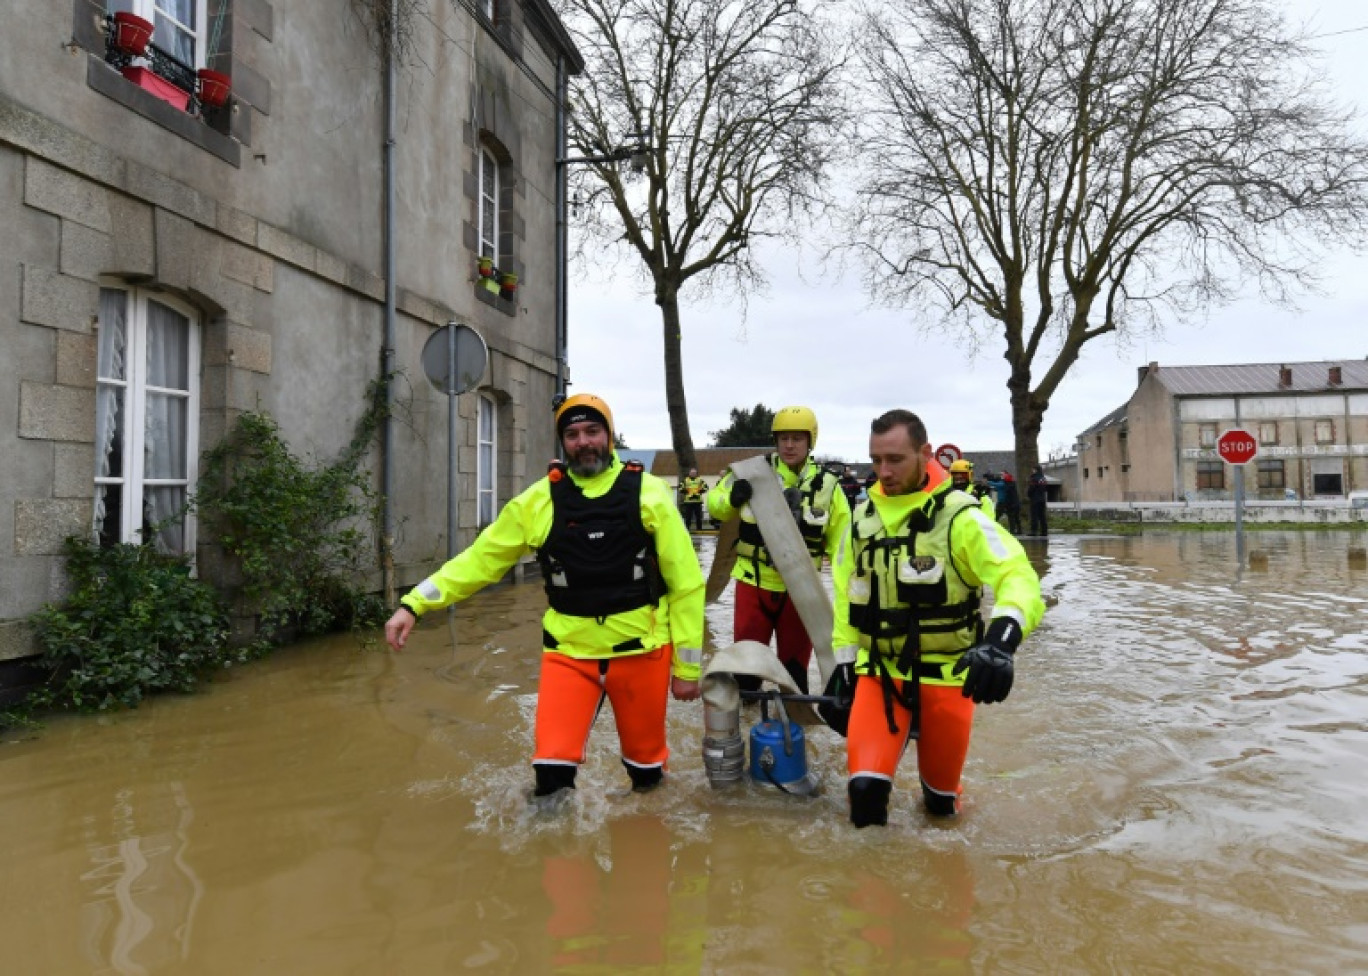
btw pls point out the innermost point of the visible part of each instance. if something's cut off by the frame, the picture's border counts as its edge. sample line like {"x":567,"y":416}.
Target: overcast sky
{"x":814,"y":338}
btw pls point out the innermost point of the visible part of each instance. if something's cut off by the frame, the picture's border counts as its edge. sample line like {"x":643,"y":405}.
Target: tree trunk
{"x":680,"y":438}
{"x":1027,"y":418}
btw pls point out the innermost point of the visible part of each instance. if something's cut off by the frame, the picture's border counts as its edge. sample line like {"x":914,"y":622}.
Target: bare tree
{"x":738,"y":100}
{"x":1054,"y":171}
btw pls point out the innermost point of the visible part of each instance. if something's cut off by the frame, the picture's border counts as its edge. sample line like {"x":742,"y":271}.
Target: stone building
{"x":169,"y":264}
{"x":1310,"y":421}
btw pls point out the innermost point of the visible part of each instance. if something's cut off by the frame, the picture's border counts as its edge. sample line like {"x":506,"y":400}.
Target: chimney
{"x":1336,"y":377}
{"x":1284,"y":376}
{"x":1146,"y":371}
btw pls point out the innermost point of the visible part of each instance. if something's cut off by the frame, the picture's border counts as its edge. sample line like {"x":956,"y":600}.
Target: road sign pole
{"x":453,"y":425}
{"x":1239,"y":515}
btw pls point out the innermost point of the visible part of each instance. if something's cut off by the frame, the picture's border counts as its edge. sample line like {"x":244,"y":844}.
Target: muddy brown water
{"x":1179,"y":783}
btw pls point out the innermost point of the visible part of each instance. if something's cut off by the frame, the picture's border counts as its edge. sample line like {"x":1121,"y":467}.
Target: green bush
{"x":136,"y":623}
{"x":302,"y":535}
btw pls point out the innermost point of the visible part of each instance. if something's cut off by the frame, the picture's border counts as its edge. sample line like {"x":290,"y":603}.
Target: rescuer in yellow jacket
{"x":908,"y":632}
{"x":762,"y":607}
{"x":962,"y":477}
{"x":692,"y":488}
{"x":626,"y":596}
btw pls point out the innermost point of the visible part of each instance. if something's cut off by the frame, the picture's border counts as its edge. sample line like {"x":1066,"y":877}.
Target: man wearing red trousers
{"x":763,"y":607}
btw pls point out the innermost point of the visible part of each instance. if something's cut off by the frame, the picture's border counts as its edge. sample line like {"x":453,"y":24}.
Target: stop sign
{"x":1236,"y":446}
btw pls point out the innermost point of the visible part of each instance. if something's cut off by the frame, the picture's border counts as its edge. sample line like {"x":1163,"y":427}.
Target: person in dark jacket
{"x":1037,"y":492}
{"x":1009,"y":503}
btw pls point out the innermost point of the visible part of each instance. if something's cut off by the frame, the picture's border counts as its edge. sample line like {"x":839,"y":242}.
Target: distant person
{"x":908,"y":585}
{"x":626,"y":596}
{"x":961,"y":476}
{"x":850,"y":485}
{"x":1009,"y":503}
{"x":692,"y":488}
{"x":1037,"y":494}
{"x":762,"y":605}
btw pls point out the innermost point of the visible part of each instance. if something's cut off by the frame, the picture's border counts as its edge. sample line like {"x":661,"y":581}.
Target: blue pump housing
{"x":770,"y":763}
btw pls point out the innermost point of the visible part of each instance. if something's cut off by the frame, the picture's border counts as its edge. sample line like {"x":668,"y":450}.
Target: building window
{"x":1211,"y":475}
{"x":1271,"y":476}
{"x":488,"y":229}
{"x":487,"y":8}
{"x":178,"y":26}
{"x":486,"y":460}
{"x":1124,"y":440}
{"x":1268,"y":432}
{"x":1085,"y":474}
{"x":146,"y":419}
{"x":1206,"y":435}
{"x":1325,"y":432}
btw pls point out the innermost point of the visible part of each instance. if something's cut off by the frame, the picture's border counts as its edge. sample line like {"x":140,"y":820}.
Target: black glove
{"x":841,"y":686}
{"x":741,"y":492}
{"x":990,"y":663}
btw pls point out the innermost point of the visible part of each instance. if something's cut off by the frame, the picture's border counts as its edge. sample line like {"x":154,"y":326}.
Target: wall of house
{"x":268,"y":220}
{"x":1150,"y":443}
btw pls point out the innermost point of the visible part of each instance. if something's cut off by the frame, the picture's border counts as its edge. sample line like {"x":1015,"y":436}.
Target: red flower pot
{"x":214,"y":87}
{"x":131,"y":33}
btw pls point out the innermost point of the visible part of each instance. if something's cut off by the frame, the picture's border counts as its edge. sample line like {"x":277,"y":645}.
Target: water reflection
{"x":1175,"y":784}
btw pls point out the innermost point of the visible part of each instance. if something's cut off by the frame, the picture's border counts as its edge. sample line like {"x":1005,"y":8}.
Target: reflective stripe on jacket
{"x":925,"y":557}
{"x":824,"y":519}
{"x":524,"y":524}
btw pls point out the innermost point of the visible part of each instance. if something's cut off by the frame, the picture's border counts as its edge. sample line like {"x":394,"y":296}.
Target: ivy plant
{"x":136,"y":623}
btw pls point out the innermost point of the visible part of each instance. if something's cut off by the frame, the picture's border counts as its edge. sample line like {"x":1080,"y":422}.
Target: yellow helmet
{"x":581,"y":407}
{"x":796,"y":418}
{"x":962,"y":466}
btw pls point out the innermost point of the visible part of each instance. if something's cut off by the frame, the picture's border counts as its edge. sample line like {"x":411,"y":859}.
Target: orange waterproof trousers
{"x":572,"y":690}
{"x":947,"y":719}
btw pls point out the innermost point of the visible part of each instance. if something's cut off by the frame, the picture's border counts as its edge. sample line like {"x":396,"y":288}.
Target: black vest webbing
{"x":598,"y":558}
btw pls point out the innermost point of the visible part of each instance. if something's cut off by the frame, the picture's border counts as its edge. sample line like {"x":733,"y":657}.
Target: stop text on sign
{"x":1237,"y":446}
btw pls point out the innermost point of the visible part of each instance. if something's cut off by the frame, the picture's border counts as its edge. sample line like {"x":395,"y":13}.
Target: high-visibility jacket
{"x":916,"y":565}
{"x":524,"y":525}
{"x":692,"y":489}
{"x":823,"y":516}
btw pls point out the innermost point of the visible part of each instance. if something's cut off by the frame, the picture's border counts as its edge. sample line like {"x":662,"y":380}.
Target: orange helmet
{"x":582,"y":407}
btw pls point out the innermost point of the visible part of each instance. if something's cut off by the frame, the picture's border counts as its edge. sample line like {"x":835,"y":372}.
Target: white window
{"x":489,"y":205}
{"x":1325,"y":432}
{"x":178,"y":26}
{"x":146,"y":419}
{"x":1206,"y":435}
{"x":1268,"y":432}
{"x":486,"y":458}
{"x":487,"y":8}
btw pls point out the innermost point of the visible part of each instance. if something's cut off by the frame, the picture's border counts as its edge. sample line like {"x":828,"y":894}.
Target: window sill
{"x":110,"y":83}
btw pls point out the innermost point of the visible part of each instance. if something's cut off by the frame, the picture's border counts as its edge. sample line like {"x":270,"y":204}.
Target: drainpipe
{"x":387,"y":352}
{"x":562,"y":285}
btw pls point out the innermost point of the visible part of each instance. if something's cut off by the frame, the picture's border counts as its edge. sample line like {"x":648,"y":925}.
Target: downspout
{"x":387,"y":352}
{"x":562,"y":284}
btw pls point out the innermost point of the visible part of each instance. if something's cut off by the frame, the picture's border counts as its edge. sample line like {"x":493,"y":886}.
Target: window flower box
{"x":145,"y":79}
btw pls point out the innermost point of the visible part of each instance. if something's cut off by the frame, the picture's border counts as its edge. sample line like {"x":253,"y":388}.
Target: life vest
{"x":914,"y":611}
{"x":810,"y":501}
{"x":598,"y":559}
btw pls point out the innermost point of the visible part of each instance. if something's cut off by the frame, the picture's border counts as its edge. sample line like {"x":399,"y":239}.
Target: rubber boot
{"x":644,"y":777}
{"x":869,"y":801}
{"x":799,"y":675}
{"x":940,"y":804}
{"x":553,"y":777}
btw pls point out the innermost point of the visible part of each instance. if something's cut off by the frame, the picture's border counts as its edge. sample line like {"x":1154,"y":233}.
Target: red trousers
{"x":762,"y":614}
{"x":571,"y":692}
{"x":947,"y":719}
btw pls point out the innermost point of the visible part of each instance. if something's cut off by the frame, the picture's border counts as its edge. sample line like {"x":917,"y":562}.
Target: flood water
{"x":1178,"y":783}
